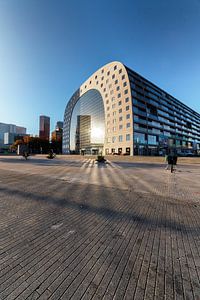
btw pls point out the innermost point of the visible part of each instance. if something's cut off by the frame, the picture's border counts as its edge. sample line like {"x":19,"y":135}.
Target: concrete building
{"x":11,"y":130}
{"x":44,"y":131}
{"x":130,"y":115}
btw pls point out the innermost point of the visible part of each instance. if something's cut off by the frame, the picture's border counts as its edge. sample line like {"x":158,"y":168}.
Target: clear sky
{"x":49,"y":48}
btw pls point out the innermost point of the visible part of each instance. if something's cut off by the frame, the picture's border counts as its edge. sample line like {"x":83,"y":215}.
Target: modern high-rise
{"x":130,"y":115}
{"x":44,"y":131}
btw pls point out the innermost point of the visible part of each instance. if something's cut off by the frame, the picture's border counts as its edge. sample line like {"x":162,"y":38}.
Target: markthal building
{"x":117,"y":111}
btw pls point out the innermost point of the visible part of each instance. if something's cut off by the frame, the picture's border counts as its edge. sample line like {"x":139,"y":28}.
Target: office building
{"x":11,"y":131}
{"x":130,"y":115}
{"x":44,"y":127}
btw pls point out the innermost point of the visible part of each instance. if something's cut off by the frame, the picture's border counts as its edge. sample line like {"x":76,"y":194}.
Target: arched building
{"x":118,"y":111}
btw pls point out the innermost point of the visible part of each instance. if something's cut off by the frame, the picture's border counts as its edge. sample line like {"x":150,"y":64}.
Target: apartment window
{"x":113,"y":99}
{"x":108,"y":73}
{"x":111,"y":92}
{"x":90,"y":81}
{"x":127,"y":107}
{"x":110,"y":85}
{"x":120,"y":110}
{"x":114,"y":113}
{"x":114,"y":121}
{"x":108,"y":122}
{"x":85,"y":86}
{"x":104,"y":90}
{"x":125,"y":84}
{"x":107,"y":80}
{"x":106,"y":95}
{"x":113,"y":139}
{"x":120,"y":71}
{"x":102,"y":85}
{"x":120,"y":119}
{"x":128,"y":125}
{"x":127,"y":99}
{"x":120,"y":103}
{"x":128,"y":116}
{"x":123,"y":77}
{"x":102,"y":71}
{"x":113,"y":76}
{"x":108,"y":115}
{"x":97,"y":82}
{"x":128,"y":137}
{"x":118,"y":88}
{"x":119,"y":95}
{"x":126,"y":92}
{"x":102,"y":78}
{"x":120,"y":138}
{"x":115,"y":67}
{"x":116,"y":81}
{"x":96,"y":77}
{"x":113,"y":106}
{"x":120,"y":127}
{"x":107,"y":101}
{"x":108,"y":108}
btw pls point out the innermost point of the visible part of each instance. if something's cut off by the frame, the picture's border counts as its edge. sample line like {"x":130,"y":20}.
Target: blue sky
{"x":49,"y":48}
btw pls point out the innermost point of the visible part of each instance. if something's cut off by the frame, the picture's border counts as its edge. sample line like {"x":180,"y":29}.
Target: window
{"x":119,"y":95}
{"x":128,"y":116}
{"x":125,"y":84}
{"x":128,"y":125}
{"x":115,"y":67}
{"x":96,"y":77}
{"x":90,"y":81}
{"x":128,"y":137}
{"x":120,"y":138}
{"x":107,"y":101}
{"x":127,"y":107}
{"x":123,"y":77}
{"x":108,"y":115}
{"x":102,"y":78}
{"x":108,"y":108}
{"x":104,"y":90}
{"x":108,"y":73}
{"x":110,"y":85}
{"x":127,"y":99}
{"x":113,"y":139}
{"x":120,"y":103}
{"x":85,"y":86}
{"x":120,"y":71}
{"x":102,"y":71}
{"x":108,"y":140}
{"x":102,"y":85}
{"x":114,"y":113}
{"x":113,"y":99}
{"x":113,"y":76}
{"x":120,"y":127}
{"x":106,"y":95}
{"x":126,"y":92}
{"x":118,"y":88}
{"x":116,"y":81}
{"x":113,"y":105}
{"x":120,"y":110}
{"x":111,"y":92}
{"x":120,"y":119}
{"x":97,"y":82}
{"x":114,"y":128}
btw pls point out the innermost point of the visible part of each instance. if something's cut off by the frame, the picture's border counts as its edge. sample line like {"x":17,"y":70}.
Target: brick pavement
{"x":71,"y":229}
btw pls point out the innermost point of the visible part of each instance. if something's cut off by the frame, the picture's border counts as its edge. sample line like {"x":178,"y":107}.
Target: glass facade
{"x":161,"y":122}
{"x":87,"y":126}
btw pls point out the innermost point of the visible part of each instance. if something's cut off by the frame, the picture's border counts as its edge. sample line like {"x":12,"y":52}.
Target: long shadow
{"x":42,"y":162}
{"x":103,"y":211}
{"x":139,"y":165}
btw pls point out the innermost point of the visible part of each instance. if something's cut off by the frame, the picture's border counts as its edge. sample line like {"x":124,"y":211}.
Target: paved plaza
{"x":73,"y":229}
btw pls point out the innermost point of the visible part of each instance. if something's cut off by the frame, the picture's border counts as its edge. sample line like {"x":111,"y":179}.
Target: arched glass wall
{"x":87,"y":127}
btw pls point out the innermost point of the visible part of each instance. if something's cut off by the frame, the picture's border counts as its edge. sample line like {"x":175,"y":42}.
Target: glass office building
{"x":118,"y":111}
